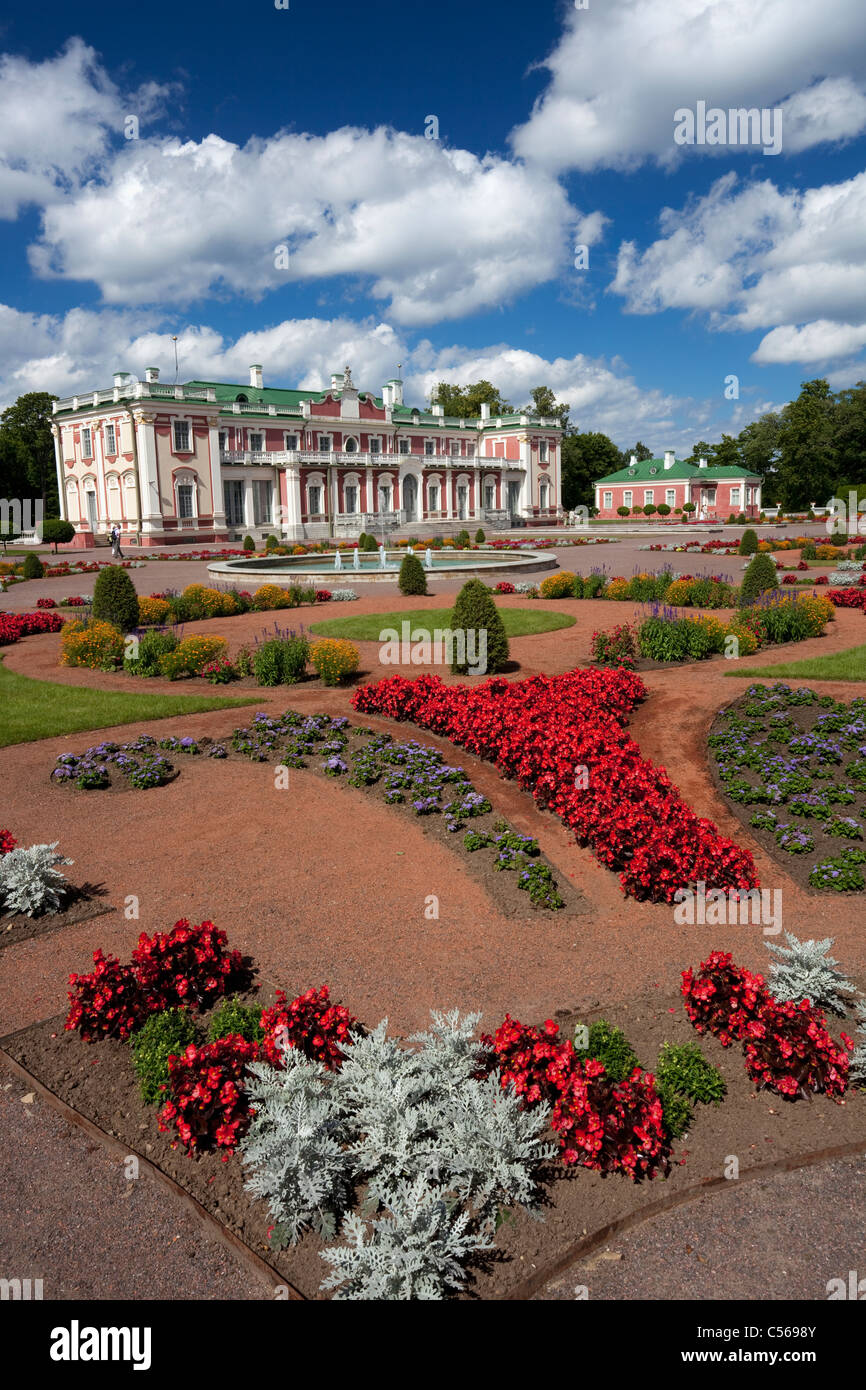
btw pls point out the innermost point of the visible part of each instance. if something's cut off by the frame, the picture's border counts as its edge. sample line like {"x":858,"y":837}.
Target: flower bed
{"x":793,"y":765}
{"x":562,"y":737}
{"x":14,"y":626}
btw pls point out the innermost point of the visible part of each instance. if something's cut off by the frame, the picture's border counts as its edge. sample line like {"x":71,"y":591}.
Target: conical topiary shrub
{"x":476,"y":611}
{"x":412,"y":579}
{"x":759,"y":579}
{"x":749,"y":543}
{"x":33,"y":566}
{"x":114,"y":598}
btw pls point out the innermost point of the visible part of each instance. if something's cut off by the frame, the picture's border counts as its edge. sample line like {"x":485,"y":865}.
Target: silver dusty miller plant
{"x":805,"y":971}
{"x":296,"y":1146}
{"x":416,"y":1251}
{"x":30,"y":881}
{"x":857,"y":1070}
{"x":439,"y":1144}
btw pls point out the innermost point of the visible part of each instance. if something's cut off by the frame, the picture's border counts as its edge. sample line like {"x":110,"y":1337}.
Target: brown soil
{"x":577,"y":1204}
{"x":797,"y":866}
{"x":80,"y":907}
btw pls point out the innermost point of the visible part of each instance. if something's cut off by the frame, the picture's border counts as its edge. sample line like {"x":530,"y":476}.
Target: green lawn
{"x":518,"y":622}
{"x":32,"y":709}
{"x":841,"y":666}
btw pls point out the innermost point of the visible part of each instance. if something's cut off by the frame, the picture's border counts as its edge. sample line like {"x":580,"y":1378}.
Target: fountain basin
{"x":320,"y":569}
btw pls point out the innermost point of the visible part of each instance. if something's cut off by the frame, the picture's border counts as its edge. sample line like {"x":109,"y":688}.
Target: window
{"x":470,"y":451}
{"x":735,"y":497}
{"x":542,"y":496}
{"x":86,"y":443}
{"x":375,"y":446}
{"x":257,"y":441}
{"x":291,"y":441}
{"x":351,"y":497}
{"x":385,"y":499}
{"x":184,"y":500}
{"x":626,"y":497}
{"x":403,"y":446}
{"x":262,"y":495}
{"x":429,"y":448}
{"x":455,"y":448}
{"x":351,"y":446}
{"x":181,"y":437}
{"x":608,"y":500}
{"x":489,"y":496}
{"x":671,"y":496}
{"x":324,"y":443}
{"x":433,"y":497}
{"x":224,"y":441}
{"x":314,"y":494}
{"x":110,"y":440}
{"x":233,"y":493}
{"x":649,"y":495}
{"x":542,"y":451}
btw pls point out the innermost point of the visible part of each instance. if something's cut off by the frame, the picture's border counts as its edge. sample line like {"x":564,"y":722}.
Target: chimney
{"x":670,"y":458}
{"x":439,"y":410}
{"x":394,"y":389}
{"x":120,"y":378}
{"x":151,"y":373}
{"x":256,"y":375}
{"x":632,"y":463}
{"x":702,"y":463}
{"x":485,"y":410}
{"x":337,"y":382}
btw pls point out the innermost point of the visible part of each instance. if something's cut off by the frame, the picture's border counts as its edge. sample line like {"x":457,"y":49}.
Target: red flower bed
{"x":14,"y":626}
{"x":788,"y":1050}
{"x":503,"y":587}
{"x":311,"y":1023}
{"x":323,"y":595}
{"x":7,"y":841}
{"x":45,"y":603}
{"x":723,"y":998}
{"x":107,"y":1002}
{"x":186,"y":966}
{"x":562,"y":738}
{"x":847,"y":598}
{"x":209,"y":1104}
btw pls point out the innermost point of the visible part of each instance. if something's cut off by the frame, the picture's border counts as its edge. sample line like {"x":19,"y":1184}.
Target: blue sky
{"x":304,"y":128}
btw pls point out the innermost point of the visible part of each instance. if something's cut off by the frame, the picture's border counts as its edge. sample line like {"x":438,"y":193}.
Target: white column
{"x":216,"y":483}
{"x":292,"y":514}
{"x":148,"y":473}
{"x":58,"y":463}
{"x":249,"y":512}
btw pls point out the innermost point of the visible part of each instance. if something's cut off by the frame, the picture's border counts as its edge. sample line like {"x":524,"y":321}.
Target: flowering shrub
{"x":722,"y":998}
{"x":107,"y":1002}
{"x":209,"y":1104}
{"x":543,"y":729}
{"x":45,"y":603}
{"x":152,"y":610}
{"x":535,"y":1061}
{"x":95,"y":644}
{"x":845,"y":598}
{"x":14,"y":626}
{"x":74,"y":601}
{"x":219,"y":672}
{"x":271,"y":596}
{"x":188,"y":965}
{"x":617,"y":589}
{"x":7,"y":842}
{"x":334,"y":659}
{"x":310,"y":1023}
{"x":677,"y":592}
{"x":323,"y":595}
{"x":611,"y":1126}
{"x":503,"y":587}
{"x":559,"y":585}
{"x":615,"y":648}
{"x":788,"y":1050}
{"x":190,"y":656}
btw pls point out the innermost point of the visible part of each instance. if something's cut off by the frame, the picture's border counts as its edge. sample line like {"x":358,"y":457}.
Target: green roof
{"x":654,"y":471}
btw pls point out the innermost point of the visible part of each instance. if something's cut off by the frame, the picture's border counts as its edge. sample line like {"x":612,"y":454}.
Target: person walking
{"x":115,"y":544}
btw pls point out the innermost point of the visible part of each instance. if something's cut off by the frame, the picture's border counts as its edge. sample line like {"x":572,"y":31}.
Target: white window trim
{"x":182,"y":420}
{"x":649,"y":495}
{"x":113,"y":451}
{"x":261,"y":435}
{"x":186,"y":480}
{"x":374,"y":444}
{"x":87,"y":430}
{"x":607,"y":499}
{"x":291,"y":434}
{"x":671,"y":496}
{"x":323,"y":449}
{"x":627,"y":497}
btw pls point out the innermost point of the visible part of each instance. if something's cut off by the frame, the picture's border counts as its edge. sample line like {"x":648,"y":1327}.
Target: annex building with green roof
{"x":669,"y":485}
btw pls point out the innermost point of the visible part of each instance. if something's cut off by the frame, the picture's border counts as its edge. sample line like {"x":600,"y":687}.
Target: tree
{"x":701,"y":450}
{"x":585,"y":458}
{"x":475,"y":610}
{"x":640,"y":451}
{"x":808,"y":463}
{"x":57,"y":532}
{"x":759,"y":451}
{"x":465,"y":402}
{"x":544,"y":402}
{"x":27,"y":445}
{"x":115,"y":599}
{"x":412,"y":579}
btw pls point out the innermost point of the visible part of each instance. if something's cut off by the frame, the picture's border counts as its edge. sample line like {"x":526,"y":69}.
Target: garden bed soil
{"x":80,"y":907}
{"x":501,"y":885}
{"x":580,"y":1209}
{"x":796,"y":866}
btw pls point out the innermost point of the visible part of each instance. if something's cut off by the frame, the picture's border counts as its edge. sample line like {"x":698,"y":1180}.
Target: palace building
{"x":713,"y":492}
{"x":212,"y":461}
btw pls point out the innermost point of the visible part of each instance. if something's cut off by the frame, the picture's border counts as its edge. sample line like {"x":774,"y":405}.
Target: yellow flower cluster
{"x":559,"y":585}
{"x":617,"y":589}
{"x":271,"y":596}
{"x":97,"y":645}
{"x":191,"y":656}
{"x":677,"y":592}
{"x":333,"y":658}
{"x":215,"y":603}
{"x":152,"y":611}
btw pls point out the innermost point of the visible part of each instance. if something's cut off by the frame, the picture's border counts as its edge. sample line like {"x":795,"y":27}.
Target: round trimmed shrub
{"x":749,"y":543}
{"x":412,"y":579}
{"x":622,"y":511}
{"x":476,"y":611}
{"x":249,"y":543}
{"x":56,"y":531}
{"x":114,"y":598}
{"x":33,"y":567}
{"x":480,"y":537}
{"x":759,"y":579}
{"x":664,"y":509}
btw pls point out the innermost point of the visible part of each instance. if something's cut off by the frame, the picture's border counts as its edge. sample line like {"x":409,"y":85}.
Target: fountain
{"x":356,"y":558}
{"x":428,"y":558}
{"x":383,"y":559}
{"x":338,"y":560}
